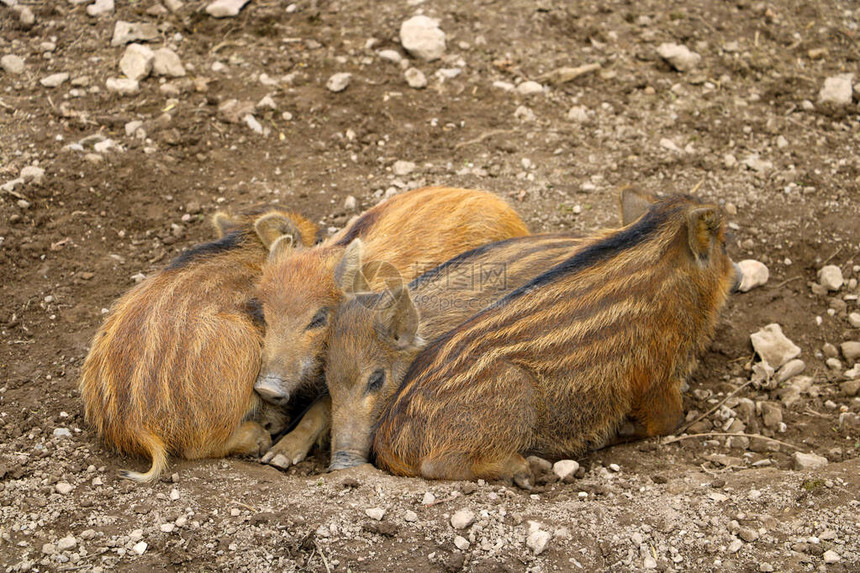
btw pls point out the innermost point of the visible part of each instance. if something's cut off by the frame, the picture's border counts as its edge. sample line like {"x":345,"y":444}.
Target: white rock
{"x":122,"y":86}
{"x":735,"y":546}
{"x":854,"y":319}
{"x":428,"y":498}
{"x":174,"y":494}
{"x":136,"y":61}
{"x":410,"y":516}
{"x":754,"y":273}
{"x":578,"y":113}
{"x":462,"y":519}
{"x":528,"y":88}
{"x":12,"y":64}
{"x":167,"y":63}
{"x":415,"y":78}
{"x":504,"y":86}
{"x":62,"y":433}
{"x":338,"y":82}
{"x":773,"y":346}
{"x":63,"y":488}
{"x":33,"y":174}
{"x":140,"y":547}
{"x":127,"y":32}
{"x":565,"y":468}
{"x":49,"y":548}
{"x":350,"y":203}
{"x":403,"y":168}
{"x":850,"y":349}
{"x":461,"y":543}
{"x":538,"y":540}
{"x":730,"y":161}
{"x":649,"y":563}
{"x":225,"y":8}
{"x":266,"y":102}
{"x":804,"y":461}
{"x":132,"y":127}
{"x":392,"y":56}
{"x":67,"y":543}
{"x":667,"y":143}
{"x":758,"y":164}
{"x":837,"y":90}
{"x":524,"y":113}
{"x":100,"y":8}
{"x":54,"y":80}
{"x":167,"y":527}
{"x":174,"y":5}
{"x":422,"y":38}
{"x":831,"y":557}
{"x":830,"y":277}
{"x":790,"y":369}
{"x":679,"y":57}
{"x":376,"y":513}
{"x":255,"y":125}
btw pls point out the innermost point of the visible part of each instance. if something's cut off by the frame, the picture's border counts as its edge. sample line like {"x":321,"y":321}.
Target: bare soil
{"x":745,"y":128}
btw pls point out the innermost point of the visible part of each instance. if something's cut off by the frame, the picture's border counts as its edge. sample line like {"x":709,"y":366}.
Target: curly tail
{"x":154,"y":446}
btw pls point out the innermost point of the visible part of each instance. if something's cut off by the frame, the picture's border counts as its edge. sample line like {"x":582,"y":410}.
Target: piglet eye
{"x":376,"y":380}
{"x":319,"y":319}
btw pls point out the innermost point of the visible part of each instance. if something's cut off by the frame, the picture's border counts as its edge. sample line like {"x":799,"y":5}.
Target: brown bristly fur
{"x":376,"y":336}
{"x":172,"y":369}
{"x":556,"y":367}
{"x":299,"y":288}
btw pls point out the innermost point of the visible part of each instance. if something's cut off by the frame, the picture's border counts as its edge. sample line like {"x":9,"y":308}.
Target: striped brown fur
{"x":172,"y":369}
{"x":300,"y":288}
{"x":556,"y":367}
{"x":375,"y":336}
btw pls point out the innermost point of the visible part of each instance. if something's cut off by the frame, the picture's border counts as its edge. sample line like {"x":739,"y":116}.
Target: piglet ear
{"x":347,"y":273}
{"x":400,"y":319}
{"x":633,"y":204}
{"x":224,"y":223}
{"x":282,"y":245}
{"x":704,"y":225}
{"x":272,"y":226}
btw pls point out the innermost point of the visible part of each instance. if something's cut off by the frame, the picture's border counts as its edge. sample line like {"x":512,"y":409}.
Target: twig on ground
{"x":714,"y":434}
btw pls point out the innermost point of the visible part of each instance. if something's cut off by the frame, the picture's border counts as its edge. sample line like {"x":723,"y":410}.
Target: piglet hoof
{"x":277,"y":460}
{"x":524,"y":481}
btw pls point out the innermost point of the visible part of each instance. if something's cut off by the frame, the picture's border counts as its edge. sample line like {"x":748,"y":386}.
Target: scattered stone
{"x":753,"y":274}
{"x":649,"y":563}
{"x":830,"y":277}
{"x":140,"y":547}
{"x":833,"y":364}
{"x":804,"y":461}
{"x":167,"y":63}
{"x":422,"y":38}
{"x":255,"y":125}
{"x":49,"y":549}
{"x":790,"y":369}
{"x":504,"y":86}
{"x":854,"y":319}
{"x":679,"y":57}
{"x":565,"y":469}
{"x":837,"y":90}
{"x":25,"y":16}
{"x":12,"y":64}
{"x":403,"y":168}
{"x":529,"y":88}
{"x":136,"y":61}
{"x":461,"y":543}
{"x":773,"y":346}
{"x":122,"y":86}
{"x":54,"y":80}
{"x":376,"y":513}
{"x":735,"y":546}
{"x":415,"y":78}
{"x":338,"y":82}
{"x":174,"y":5}
{"x":225,"y":8}
{"x":578,"y":113}
{"x":462,"y":519}
{"x":410,"y":516}
{"x":850,"y":348}
{"x":730,"y":161}
{"x":428,"y":498}
{"x":62,"y":433}
{"x":748,"y":534}
{"x":100,"y":8}
{"x":850,"y":388}
{"x":538,"y":540}
{"x":849,"y":420}
{"x":33,"y":174}
{"x":831,"y":557}
{"x":63,"y":488}
{"x":266,"y":103}
{"x":234,"y":111}
{"x":127,"y":32}
{"x":392,"y":56}
{"x":67,"y":543}
{"x":757,"y":164}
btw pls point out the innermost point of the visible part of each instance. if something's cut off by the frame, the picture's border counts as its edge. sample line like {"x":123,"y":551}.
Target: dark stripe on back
{"x":360,"y":227}
{"x":228,"y":242}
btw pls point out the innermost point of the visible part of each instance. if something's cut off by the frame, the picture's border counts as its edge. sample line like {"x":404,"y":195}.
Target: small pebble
{"x":415,"y":78}
{"x":753,"y":274}
{"x":462,"y":519}
{"x":830,"y":277}
{"x":461,"y":543}
{"x":538,"y":540}
{"x":63,"y":488}
{"x":376,"y":513}
{"x":338,"y":82}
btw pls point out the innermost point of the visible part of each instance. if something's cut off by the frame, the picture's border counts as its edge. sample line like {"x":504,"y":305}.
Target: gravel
{"x":12,"y":64}
{"x":167,"y":63}
{"x":136,"y":61}
{"x":415,"y":78}
{"x":100,"y":8}
{"x":422,"y":38}
{"x":462,"y":519}
{"x":830,"y":277}
{"x":54,"y":80}
{"x":338,"y":82}
{"x":128,"y":32}
{"x":679,"y":57}
{"x":773,"y":346}
{"x":804,"y":461}
{"x":225,"y":8}
{"x":837,"y":90}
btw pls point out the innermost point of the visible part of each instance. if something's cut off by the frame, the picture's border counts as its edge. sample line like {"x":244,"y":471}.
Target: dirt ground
{"x":745,"y":125}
